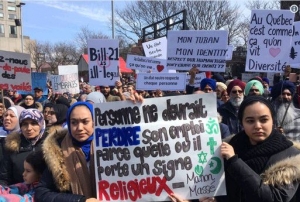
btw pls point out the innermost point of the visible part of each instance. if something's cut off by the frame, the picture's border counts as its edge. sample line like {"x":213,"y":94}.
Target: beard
{"x":283,"y":109}
{"x":236,"y":101}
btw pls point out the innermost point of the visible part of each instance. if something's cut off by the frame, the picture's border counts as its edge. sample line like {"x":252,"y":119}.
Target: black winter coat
{"x":17,"y":148}
{"x":229,"y":117}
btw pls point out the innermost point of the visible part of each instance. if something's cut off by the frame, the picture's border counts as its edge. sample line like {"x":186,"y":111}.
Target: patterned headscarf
{"x":37,"y":116}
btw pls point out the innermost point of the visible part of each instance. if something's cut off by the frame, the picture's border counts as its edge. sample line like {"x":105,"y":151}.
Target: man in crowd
{"x":38,"y":96}
{"x":106,"y":91}
{"x":288,"y":116}
{"x":229,"y":110}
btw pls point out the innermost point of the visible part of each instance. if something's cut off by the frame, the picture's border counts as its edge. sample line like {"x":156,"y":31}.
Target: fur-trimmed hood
{"x":39,"y":106}
{"x":55,"y":160}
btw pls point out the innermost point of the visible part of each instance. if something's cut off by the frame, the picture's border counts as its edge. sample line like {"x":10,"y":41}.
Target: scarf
{"x":257,"y":156}
{"x":82,"y":178}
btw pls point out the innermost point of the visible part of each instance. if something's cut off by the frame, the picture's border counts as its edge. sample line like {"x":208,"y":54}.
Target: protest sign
{"x":156,"y":48}
{"x":67,"y":69}
{"x":198,"y":79}
{"x":270,"y":76}
{"x":38,"y":80}
{"x":15,"y":71}
{"x":161,"y":81}
{"x":229,"y":52}
{"x":145,"y":64}
{"x":145,"y":151}
{"x":103,"y":61}
{"x":247,"y":76}
{"x":269,"y":40}
{"x":205,"y":49}
{"x":295,"y":47}
{"x":65,"y":83}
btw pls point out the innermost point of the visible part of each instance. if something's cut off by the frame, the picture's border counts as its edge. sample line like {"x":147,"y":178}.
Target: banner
{"x":38,"y":80}
{"x":198,"y":79}
{"x":65,"y":83}
{"x":145,"y":64}
{"x":103,"y":61}
{"x":295,"y":47}
{"x":143,"y":152}
{"x":269,"y":40}
{"x":15,"y":71}
{"x":205,"y":49}
{"x":156,"y":48}
{"x":67,"y":69}
{"x":161,"y":81}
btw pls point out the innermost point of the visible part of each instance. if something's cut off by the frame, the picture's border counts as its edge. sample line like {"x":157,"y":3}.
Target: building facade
{"x":10,"y":33}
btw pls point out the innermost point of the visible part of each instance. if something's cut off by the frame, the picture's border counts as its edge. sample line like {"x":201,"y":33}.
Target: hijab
{"x":85,"y":145}
{"x":17,"y":110}
{"x":37,"y":116}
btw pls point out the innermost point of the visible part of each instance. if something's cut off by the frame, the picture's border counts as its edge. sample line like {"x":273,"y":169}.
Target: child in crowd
{"x":34,"y":166}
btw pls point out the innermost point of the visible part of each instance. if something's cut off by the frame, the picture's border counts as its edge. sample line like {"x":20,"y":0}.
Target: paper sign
{"x":162,"y":81}
{"x":145,"y":64}
{"x":15,"y":71}
{"x":67,"y":69}
{"x":229,"y":52}
{"x":143,"y":152}
{"x":269,"y":40}
{"x":247,"y":76}
{"x":156,"y":48}
{"x":38,"y":80}
{"x":65,"y":83}
{"x":103,"y":61}
{"x":295,"y":47}
{"x":198,"y":79}
{"x":205,"y":49}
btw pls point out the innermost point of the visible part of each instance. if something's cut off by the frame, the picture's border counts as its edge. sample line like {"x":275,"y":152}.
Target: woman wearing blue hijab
{"x":70,"y":175}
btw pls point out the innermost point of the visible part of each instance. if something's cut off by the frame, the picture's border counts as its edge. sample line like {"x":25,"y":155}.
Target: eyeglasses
{"x":49,"y":112}
{"x":254,"y":90}
{"x":237,"y":91}
{"x":28,"y":99}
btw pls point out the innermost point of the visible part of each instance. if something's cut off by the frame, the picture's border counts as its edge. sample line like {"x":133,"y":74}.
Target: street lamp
{"x":20,"y":23}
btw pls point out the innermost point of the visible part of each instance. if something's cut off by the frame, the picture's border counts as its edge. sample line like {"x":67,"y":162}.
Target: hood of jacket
{"x":55,"y":160}
{"x":38,"y":105}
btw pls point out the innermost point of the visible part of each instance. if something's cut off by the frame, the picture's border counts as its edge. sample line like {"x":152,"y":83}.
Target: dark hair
{"x":250,"y":101}
{"x":36,"y":160}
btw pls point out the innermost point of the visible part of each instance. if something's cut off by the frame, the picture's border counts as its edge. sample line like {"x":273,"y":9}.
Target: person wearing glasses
{"x":254,"y":87}
{"x":29,"y":102}
{"x":288,"y":116}
{"x":229,"y":110}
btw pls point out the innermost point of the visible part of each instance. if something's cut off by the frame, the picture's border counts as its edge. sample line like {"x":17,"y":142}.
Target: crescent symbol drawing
{"x":216,"y":165}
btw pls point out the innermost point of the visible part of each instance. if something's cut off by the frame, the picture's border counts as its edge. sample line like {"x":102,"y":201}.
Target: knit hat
{"x":95,"y":97}
{"x":255,"y":83}
{"x":210,"y":82}
{"x":221,"y":85}
{"x":235,"y":82}
{"x":265,"y":79}
{"x":280,"y":87}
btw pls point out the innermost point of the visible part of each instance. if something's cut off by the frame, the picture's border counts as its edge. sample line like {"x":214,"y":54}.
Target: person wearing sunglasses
{"x":254,"y":87}
{"x":229,"y":110}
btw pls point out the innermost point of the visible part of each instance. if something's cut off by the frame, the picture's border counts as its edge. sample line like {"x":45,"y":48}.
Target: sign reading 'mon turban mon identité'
{"x":145,"y":151}
{"x":205,"y":49}
{"x":269,"y":40}
{"x":15,"y":71}
{"x":103,"y":61}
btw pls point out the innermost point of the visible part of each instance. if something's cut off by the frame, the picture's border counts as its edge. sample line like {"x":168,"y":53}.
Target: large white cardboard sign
{"x":65,"y":83}
{"x":143,"y":152}
{"x":205,"y":49}
{"x":103,"y":61}
{"x":269,"y":40}
{"x":67,"y":69}
{"x":146,"y":64}
{"x":15,"y":71}
{"x":156,"y":48}
{"x":162,"y":81}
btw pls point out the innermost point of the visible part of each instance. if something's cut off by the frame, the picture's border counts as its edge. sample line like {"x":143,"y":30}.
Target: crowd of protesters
{"x":261,"y":125}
